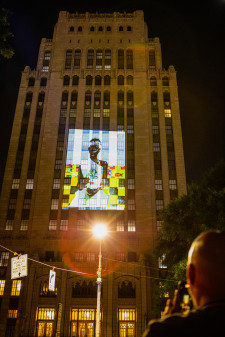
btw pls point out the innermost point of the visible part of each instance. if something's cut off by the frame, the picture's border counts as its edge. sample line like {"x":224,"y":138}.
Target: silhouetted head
{"x":206,"y":268}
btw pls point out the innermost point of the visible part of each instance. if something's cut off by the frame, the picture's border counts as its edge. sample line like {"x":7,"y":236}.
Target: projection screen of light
{"x":95,"y":170}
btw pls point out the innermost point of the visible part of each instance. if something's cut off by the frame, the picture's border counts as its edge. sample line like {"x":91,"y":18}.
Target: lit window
{"x":120,"y":128}
{"x":130,"y":129}
{"x":131,"y":226}
{"x":107,"y":59}
{"x":77,"y":58}
{"x":159,"y":204}
{"x":131,"y":205}
{"x":46,"y":60}
{"x":54,"y":204}
{"x":15,"y":184}
{"x":167,"y":113}
{"x":79,"y":256}
{"x":161,"y":261}
{"x":152,"y":63}
{"x":56,"y":184}
{"x":4,"y":258}
{"x":172,"y":184}
{"x":9,"y":225}
{"x":158,"y":184}
{"x":127,"y":314}
{"x":91,"y":257}
{"x":131,"y":185}
{"x":52,"y":225}
{"x":58,"y":164}
{"x":2,"y":287}
{"x":24,"y":225}
{"x":120,"y":226}
{"x":45,"y":314}
{"x":64,"y":225}
{"x":12,"y":204}
{"x":30,"y":184}
{"x":16,"y":288}
{"x":156,"y":147}
{"x":12,"y":313}
{"x":99,"y":59}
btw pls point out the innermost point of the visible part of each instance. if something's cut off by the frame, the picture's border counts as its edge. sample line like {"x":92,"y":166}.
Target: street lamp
{"x":99,"y":232}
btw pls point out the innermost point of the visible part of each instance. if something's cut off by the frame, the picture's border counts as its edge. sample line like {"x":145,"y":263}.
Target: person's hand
{"x":173,"y":305}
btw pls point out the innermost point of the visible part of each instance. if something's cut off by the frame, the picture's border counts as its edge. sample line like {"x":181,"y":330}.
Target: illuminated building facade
{"x":96,"y":138}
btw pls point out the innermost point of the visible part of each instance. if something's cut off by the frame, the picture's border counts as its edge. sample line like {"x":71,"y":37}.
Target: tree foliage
{"x":202,"y":208}
{"x":6,"y":49}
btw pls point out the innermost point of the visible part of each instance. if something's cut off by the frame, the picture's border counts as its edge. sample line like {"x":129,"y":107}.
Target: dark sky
{"x":192,"y":36}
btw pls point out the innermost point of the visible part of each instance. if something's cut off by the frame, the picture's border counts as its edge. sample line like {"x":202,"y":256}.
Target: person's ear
{"x":191,"y":274}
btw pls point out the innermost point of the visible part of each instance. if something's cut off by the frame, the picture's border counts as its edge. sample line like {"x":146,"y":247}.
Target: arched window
{"x":77,"y":57}
{"x":66,"y":80}
{"x":46,"y":60}
{"x":130,"y":99}
{"x":31,"y":82}
{"x":106,"y":104}
{"x":120,"y":80}
{"x":41,"y":97}
{"x":100,"y":28}
{"x":90,"y":58}
{"x":64,"y":100}
{"x":120,"y":28}
{"x":68,"y":61}
{"x":97,"y":103}
{"x":153,"y":81}
{"x":154,"y":96}
{"x":43,"y":82}
{"x":166,"y":99}
{"x":107,"y":80}
{"x":165,"y":81}
{"x":121,"y":98}
{"x":29,"y":97}
{"x":79,"y":29}
{"x":108,"y":29}
{"x":129,"y":29}
{"x":129,"y":80}
{"x":129,"y":59}
{"x":71,"y":29}
{"x":98,"y":80}
{"x":120,"y":59}
{"x":87,"y":100}
{"x":92,"y":29}
{"x":88,"y":80}
{"x":75,"y":80}
{"x":73,"y":104}
{"x":152,"y":59}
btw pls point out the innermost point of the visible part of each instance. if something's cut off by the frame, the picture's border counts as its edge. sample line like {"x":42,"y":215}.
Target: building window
{"x":169,"y":130}
{"x":120,"y":226}
{"x":159,"y":204}
{"x":64,"y":225}
{"x":80,"y":225}
{"x":131,"y":205}
{"x":89,"y":80}
{"x":9,"y":225}
{"x":54,"y":203}
{"x":127,"y":315}
{"x":46,"y":314}
{"x":12,"y":313}
{"x":24,"y":225}
{"x":167,"y":113}
{"x":66,"y":80}
{"x":158,"y":226}
{"x":80,"y":29}
{"x":58,"y":164}
{"x":68,"y":61}
{"x":120,"y":80}
{"x":153,"y":81}
{"x":120,"y":256}
{"x":30,"y":184}
{"x":131,"y":226}
{"x":12,"y":204}
{"x":77,"y":58}
{"x":26,"y":203}
{"x":71,"y":29}
{"x":165,"y":81}
{"x":120,"y":59}
{"x":15,"y":184}
{"x":98,"y":80}
{"x":45,"y":321}
{"x":92,"y":29}
{"x":131,"y":185}
{"x":129,"y":59}
{"x":172,"y":184}
{"x":52,"y":225}
{"x":171,"y":165}
{"x":99,"y":59}
{"x":56,"y":183}
{"x":129,"y":80}
{"x":16,"y":287}
{"x":46,"y":60}
{"x":126,"y":290}
{"x":44,"y":290}
{"x":79,"y":256}
{"x":107,"y":80}
{"x":152,"y":62}
{"x":90,"y":58}
{"x":130,"y":129}
{"x":161,"y":262}
{"x":156,"y":147}
{"x":31,"y":81}
{"x":157,"y":164}
{"x":120,"y":28}
{"x":43,"y":82}
{"x":158,"y":184}
{"x":2,"y":287}
{"x":75,"y":80}
{"x":91,"y":257}
{"x":4,"y":258}
{"x":107,"y":59}
{"x":155,"y":129}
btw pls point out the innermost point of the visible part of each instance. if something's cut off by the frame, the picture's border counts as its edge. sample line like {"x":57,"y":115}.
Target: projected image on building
{"x":95,"y":170}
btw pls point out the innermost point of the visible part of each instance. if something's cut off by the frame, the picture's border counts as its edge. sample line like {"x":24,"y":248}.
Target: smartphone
{"x":185,"y":299}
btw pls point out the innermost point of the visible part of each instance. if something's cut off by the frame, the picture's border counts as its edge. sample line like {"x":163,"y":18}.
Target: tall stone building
{"x":96,"y":138}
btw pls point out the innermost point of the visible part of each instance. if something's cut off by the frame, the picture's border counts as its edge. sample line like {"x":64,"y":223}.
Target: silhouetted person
{"x":206,"y":279}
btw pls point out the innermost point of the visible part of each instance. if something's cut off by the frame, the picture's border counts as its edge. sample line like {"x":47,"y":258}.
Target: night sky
{"x":192,"y":36}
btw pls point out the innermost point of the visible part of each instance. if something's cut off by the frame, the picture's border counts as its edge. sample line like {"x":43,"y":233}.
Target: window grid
{"x":16,"y":287}
{"x":131,"y":205}
{"x":12,"y":313}
{"x":159,"y":204}
{"x":131,"y":184}
{"x":54,"y":203}
{"x":2,"y":287}
{"x":167,"y":113}
{"x":64,"y":225}
{"x":30,"y":184}
{"x":9,"y":225}
{"x":56,"y":184}
{"x":156,"y":147}
{"x":120,"y":226}
{"x":24,"y":225}
{"x":131,"y":226}
{"x":52,"y":225}
{"x":45,"y":314}
{"x":158,"y":184}
{"x":15,"y":184}
{"x":172,"y":184}
{"x":91,"y":257}
{"x":4,"y":259}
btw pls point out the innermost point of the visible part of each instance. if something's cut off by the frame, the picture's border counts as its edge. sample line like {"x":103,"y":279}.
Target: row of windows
{"x":93,"y":203}
{"x":100,"y":29}
{"x":31,"y":81}
{"x":98,"y":80}
{"x":159,"y":185}
{"x":165,"y":81}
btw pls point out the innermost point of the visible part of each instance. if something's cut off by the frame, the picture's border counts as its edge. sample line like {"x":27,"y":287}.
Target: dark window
{"x":126,"y":290}
{"x":120,"y":80}
{"x":77,"y":58}
{"x":100,"y":28}
{"x":98,"y":80}
{"x":31,"y":82}
{"x":129,"y":59}
{"x":79,"y":29}
{"x":129,"y":29}
{"x":66,"y":80}
{"x":68,"y":61}
{"x":153,"y":81}
{"x":90,"y":58}
{"x":71,"y":29}
{"x":152,"y":60}
{"x":120,"y":59}
{"x":89,"y":80}
{"x":129,"y":80}
{"x":49,"y":256}
{"x":84,"y":289}
{"x":43,"y":82}
{"x":132,"y":257}
{"x":75,"y":80}
{"x":92,"y":29}
{"x":120,"y":28}
{"x":165,"y":81}
{"x":108,"y":28}
{"x":107,"y":80}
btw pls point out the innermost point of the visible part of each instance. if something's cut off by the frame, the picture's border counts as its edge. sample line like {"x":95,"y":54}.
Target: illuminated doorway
{"x":127,"y":319}
{"x":45,"y":322}
{"x":83,"y":322}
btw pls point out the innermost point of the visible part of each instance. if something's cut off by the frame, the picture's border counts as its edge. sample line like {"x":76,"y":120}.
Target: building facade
{"x":96,"y":138}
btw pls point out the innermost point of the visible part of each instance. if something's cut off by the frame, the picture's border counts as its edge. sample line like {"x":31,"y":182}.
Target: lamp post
{"x":99,"y":232}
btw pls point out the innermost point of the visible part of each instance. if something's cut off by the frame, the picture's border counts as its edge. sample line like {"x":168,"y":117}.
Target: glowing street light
{"x":99,"y":232}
